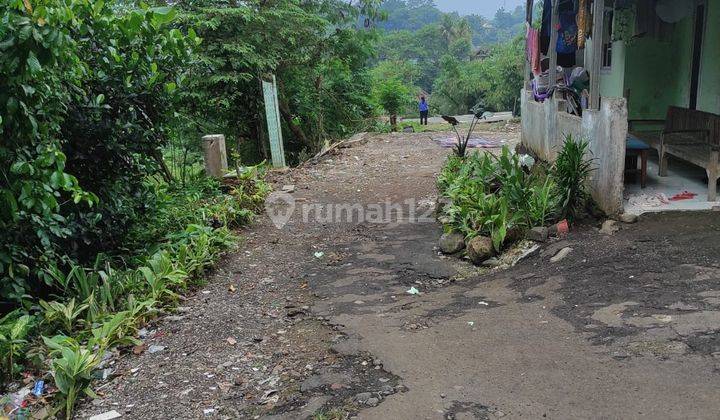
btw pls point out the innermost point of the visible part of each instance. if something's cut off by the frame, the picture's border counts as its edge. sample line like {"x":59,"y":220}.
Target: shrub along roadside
{"x":501,"y":198}
{"x":98,"y":310}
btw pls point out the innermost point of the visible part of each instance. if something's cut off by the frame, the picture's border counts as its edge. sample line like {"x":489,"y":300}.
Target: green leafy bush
{"x":393,"y":96}
{"x":14,"y":329}
{"x":496,"y":196}
{"x":84,"y":92}
{"x":571,"y":171}
{"x":72,"y":370}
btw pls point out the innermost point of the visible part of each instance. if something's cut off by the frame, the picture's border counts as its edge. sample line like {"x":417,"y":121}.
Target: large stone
{"x":479,"y":249}
{"x":561,"y":254}
{"x":609,"y":227}
{"x":451,"y":243}
{"x":538,"y":234}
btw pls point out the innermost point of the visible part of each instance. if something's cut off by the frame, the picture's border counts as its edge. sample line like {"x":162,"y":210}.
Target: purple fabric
{"x":473,"y":143}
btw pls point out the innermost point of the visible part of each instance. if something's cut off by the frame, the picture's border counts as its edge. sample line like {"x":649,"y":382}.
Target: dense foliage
{"x":460,"y":61}
{"x":98,"y":235}
{"x":317,"y":52}
{"x":500,"y":197}
{"x":83,"y":93}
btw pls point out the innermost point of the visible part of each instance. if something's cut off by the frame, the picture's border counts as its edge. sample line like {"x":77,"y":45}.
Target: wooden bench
{"x":690,"y":135}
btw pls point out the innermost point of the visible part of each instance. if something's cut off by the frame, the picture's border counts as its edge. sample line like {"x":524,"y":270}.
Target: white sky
{"x":481,"y":7}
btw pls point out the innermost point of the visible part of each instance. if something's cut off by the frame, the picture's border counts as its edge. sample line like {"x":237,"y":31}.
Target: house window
{"x":607,"y":40}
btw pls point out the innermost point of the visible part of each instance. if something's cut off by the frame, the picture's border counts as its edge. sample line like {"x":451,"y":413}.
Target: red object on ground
{"x":685,"y":195}
{"x":563,"y":228}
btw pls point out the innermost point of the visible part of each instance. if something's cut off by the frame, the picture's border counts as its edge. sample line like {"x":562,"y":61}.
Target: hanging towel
{"x":533,"y":49}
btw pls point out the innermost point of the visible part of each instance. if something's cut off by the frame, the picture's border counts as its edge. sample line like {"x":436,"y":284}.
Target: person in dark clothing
{"x":423,"y":105}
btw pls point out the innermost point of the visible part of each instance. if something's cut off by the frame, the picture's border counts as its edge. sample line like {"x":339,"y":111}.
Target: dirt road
{"x":315,"y":319}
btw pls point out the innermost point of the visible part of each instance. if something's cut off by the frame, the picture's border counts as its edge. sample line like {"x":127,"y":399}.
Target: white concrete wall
{"x":544,"y":129}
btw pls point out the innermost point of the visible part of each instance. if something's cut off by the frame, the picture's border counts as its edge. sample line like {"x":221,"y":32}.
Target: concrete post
{"x":215,"y":155}
{"x":597,"y":50}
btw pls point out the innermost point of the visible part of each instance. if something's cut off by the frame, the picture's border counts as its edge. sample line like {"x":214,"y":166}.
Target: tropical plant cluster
{"x":97,"y":310}
{"x":103,"y":227}
{"x":501,"y":197}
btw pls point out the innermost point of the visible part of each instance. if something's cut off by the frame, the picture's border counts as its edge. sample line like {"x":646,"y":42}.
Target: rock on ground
{"x":538,"y":234}
{"x":451,"y":243}
{"x":561,"y":254}
{"x":479,"y":249}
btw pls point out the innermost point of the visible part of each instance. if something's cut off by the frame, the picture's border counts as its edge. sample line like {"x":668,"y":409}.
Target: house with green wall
{"x":641,"y":57}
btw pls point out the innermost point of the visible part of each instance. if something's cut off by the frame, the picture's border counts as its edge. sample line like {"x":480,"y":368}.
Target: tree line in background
{"x":459,"y":61}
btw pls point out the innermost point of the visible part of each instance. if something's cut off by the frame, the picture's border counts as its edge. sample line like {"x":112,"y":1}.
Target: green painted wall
{"x":650,"y":78}
{"x":657,"y":73}
{"x":612,"y":80}
{"x":709,"y":99}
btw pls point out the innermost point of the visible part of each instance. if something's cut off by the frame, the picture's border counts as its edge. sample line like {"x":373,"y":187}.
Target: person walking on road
{"x":423,"y":105}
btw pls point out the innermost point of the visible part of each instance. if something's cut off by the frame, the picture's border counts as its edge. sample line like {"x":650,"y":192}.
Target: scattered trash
{"x":208,"y":411}
{"x":319,"y":254}
{"x":471,"y":323}
{"x":14,"y":405}
{"x":270,"y":396}
{"x":475,"y":142}
{"x":645,"y":201}
{"x":663,"y":318}
{"x":527,"y":161}
{"x":155,"y":349}
{"x":413,"y":291}
{"x":108,"y":415}
{"x":38,"y":388}
{"x":232,"y":288}
{"x":231,"y":341}
{"x":288,"y":188}
{"x":483,"y":303}
{"x":105,"y":374}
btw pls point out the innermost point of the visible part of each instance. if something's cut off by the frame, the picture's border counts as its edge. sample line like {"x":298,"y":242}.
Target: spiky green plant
{"x":571,"y":172}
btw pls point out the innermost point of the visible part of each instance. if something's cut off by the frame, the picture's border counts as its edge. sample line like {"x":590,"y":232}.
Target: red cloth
{"x":685,"y":195}
{"x":533,"y":49}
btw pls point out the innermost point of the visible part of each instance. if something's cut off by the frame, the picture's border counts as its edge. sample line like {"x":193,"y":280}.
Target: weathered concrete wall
{"x":606,"y":130}
{"x":545,"y":129}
